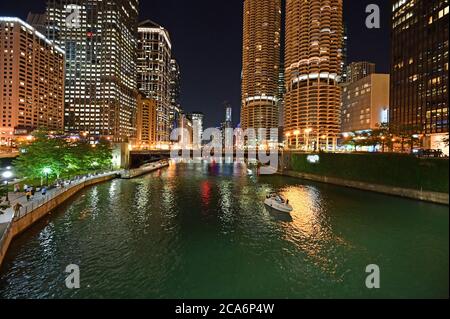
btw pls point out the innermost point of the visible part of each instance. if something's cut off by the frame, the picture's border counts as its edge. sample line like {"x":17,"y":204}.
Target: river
{"x":202,"y":231}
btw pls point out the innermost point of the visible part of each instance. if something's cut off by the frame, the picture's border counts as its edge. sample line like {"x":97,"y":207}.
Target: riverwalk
{"x":13,"y":223}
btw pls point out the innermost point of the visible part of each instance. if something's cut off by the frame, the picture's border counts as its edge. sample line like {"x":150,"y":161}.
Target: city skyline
{"x":201,"y":89}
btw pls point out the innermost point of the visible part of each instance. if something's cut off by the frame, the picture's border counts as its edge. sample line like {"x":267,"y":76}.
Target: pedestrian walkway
{"x":39,"y":200}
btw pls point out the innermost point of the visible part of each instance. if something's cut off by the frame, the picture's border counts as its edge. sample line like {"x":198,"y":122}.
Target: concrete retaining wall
{"x":433,"y":197}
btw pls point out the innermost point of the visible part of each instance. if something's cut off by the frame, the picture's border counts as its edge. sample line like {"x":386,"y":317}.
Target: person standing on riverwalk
{"x":17,"y":208}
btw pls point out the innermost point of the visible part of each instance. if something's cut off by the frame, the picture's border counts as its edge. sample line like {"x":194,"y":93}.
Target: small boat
{"x":277,"y":202}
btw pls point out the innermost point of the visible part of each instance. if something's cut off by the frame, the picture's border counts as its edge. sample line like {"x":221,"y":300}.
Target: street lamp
{"x":307,"y":132}
{"x":288,"y":135}
{"x":383,"y":138}
{"x":7,"y":176}
{"x":47,"y":171}
{"x":296,"y":133}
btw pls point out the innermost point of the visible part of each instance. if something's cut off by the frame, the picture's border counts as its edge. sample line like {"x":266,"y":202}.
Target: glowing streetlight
{"x":7,"y":175}
{"x":296,"y":133}
{"x":288,"y":135}
{"x":47,"y":171}
{"x":307,"y":132}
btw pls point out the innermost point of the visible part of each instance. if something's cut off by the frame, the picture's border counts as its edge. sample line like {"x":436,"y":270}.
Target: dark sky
{"x":207,"y":40}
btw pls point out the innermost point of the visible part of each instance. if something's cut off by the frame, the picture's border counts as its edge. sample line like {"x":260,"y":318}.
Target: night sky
{"x":207,"y":40}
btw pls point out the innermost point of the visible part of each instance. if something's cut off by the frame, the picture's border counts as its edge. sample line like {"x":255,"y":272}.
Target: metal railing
{"x":36,"y":203}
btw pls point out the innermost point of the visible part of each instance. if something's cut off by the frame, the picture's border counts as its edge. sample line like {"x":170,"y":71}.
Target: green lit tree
{"x":43,"y":157}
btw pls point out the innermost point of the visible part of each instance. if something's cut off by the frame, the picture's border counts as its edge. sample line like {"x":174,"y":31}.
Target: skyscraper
{"x":154,"y":72}
{"x":175,"y":93}
{"x":261,"y":63}
{"x":32,"y":81}
{"x":313,"y":60}
{"x":197,"y":119}
{"x":419,"y":69}
{"x":359,"y":70}
{"x":146,"y":122}
{"x":99,"y":38}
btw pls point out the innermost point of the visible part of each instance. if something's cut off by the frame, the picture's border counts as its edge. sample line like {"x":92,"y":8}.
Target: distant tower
{"x":261,"y":62}
{"x":228,"y":115}
{"x":313,"y":61}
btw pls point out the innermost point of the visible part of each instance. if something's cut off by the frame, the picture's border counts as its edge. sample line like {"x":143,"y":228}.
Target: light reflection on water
{"x":203,"y":231}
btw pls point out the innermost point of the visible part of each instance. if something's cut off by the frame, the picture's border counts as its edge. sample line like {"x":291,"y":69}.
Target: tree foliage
{"x":55,"y":156}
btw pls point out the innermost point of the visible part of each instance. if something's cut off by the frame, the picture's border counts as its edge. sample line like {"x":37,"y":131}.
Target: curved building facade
{"x":261,"y":65}
{"x":313,"y":61}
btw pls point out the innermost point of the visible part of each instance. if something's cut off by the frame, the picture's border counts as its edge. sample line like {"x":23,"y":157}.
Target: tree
{"x":52,"y":156}
{"x":43,"y":157}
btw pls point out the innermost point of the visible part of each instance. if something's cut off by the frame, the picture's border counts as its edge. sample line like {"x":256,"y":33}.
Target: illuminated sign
{"x":313,"y":159}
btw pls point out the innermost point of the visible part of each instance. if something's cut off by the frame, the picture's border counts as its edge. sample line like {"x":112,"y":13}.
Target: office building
{"x":146,"y":122}
{"x":99,"y":38}
{"x":419,"y":70}
{"x":175,"y":93}
{"x":154,"y":73}
{"x":365,"y":103}
{"x":197,"y":119}
{"x":359,"y":70}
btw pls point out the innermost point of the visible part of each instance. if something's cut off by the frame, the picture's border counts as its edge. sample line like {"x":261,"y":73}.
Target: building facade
{"x":365,"y":103}
{"x":359,"y":70}
{"x":419,"y":69}
{"x":261,"y":65}
{"x":31,"y":81}
{"x":99,"y":38}
{"x":175,"y":93}
{"x":197,"y":119}
{"x":313,"y":64}
{"x":146,"y":122}
{"x":154,"y":73}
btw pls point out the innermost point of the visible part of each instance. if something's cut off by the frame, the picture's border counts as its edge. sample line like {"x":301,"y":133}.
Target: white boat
{"x":278,"y":203}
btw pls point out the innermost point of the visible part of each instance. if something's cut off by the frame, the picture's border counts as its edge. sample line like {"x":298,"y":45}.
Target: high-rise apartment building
{"x":31,"y":81}
{"x":419,"y":69}
{"x":359,"y":70}
{"x":261,"y":63}
{"x":99,"y":38}
{"x":146,"y":122}
{"x":154,"y":72}
{"x":313,"y":57}
{"x":175,"y":93}
{"x":365,"y":103}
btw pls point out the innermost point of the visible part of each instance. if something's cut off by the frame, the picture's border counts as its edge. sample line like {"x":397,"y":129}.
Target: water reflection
{"x":198,"y":230}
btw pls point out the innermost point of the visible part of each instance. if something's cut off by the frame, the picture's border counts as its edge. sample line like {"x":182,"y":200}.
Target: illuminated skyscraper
{"x":32,"y":81}
{"x":261,"y":63}
{"x":313,"y":62}
{"x":197,"y":119}
{"x":175,"y":93}
{"x":359,"y":70}
{"x":154,"y":72}
{"x":419,"y":69}
{"x":99,"y":38}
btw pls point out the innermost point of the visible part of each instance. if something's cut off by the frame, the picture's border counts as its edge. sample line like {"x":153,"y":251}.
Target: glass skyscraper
{"x":419,"y":69}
